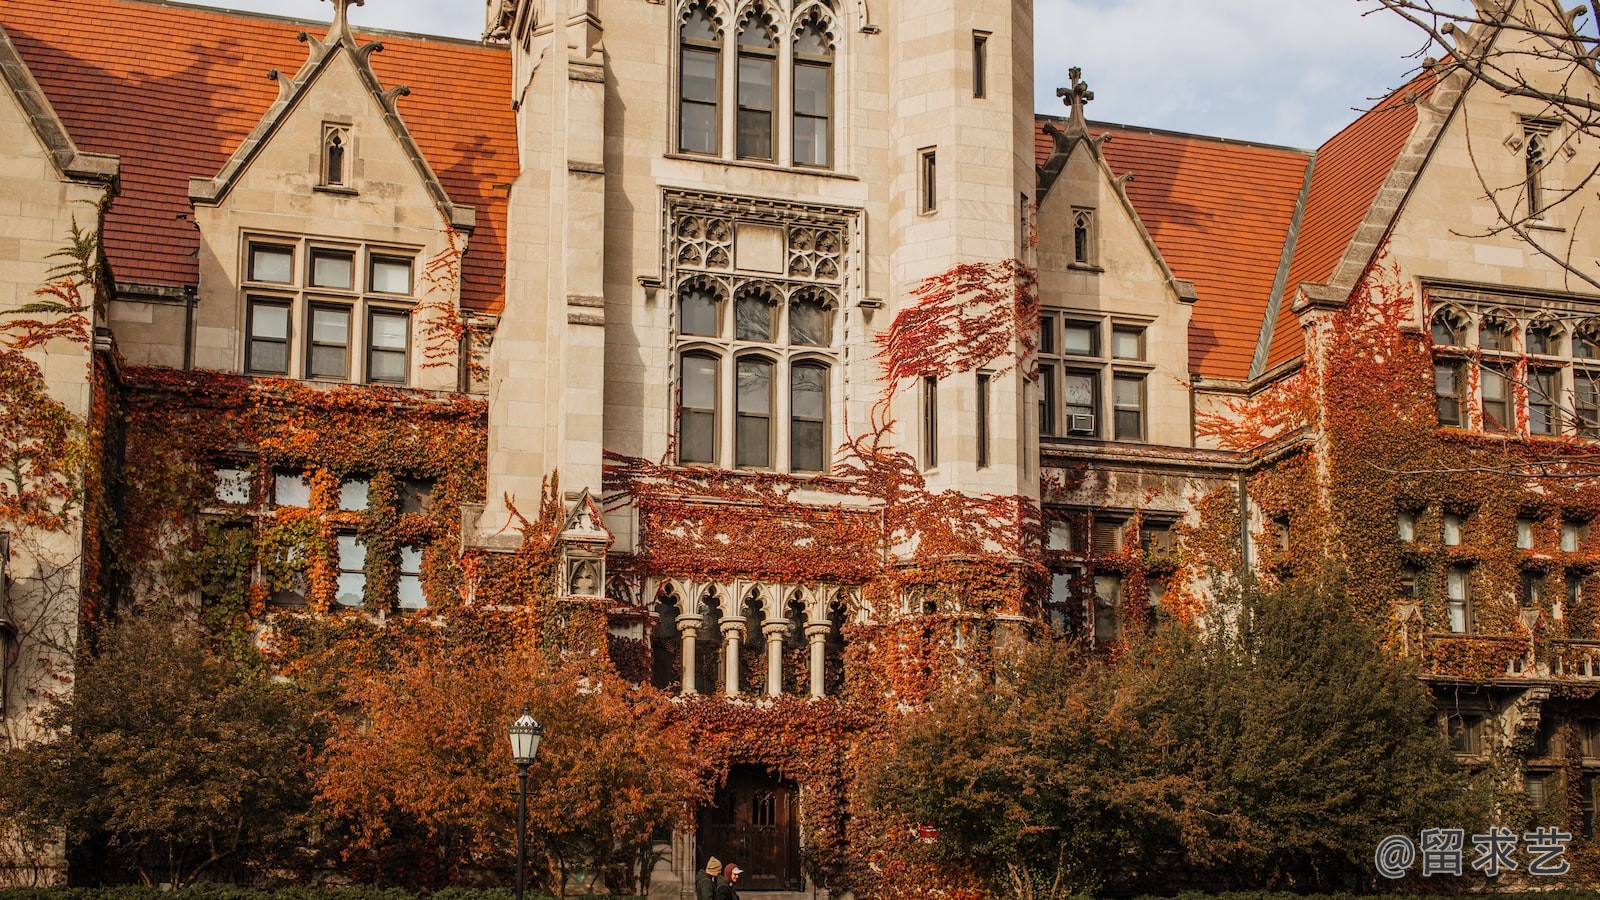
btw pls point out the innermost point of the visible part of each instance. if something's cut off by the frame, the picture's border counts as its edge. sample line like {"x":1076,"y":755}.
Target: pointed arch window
{"x":813,"y":93}
{"x":1536,"y":156}
{"x":335,"y":155}
{"x":699,"y":81}
{"x":758,"y":86}
{"x":1449,"y":328}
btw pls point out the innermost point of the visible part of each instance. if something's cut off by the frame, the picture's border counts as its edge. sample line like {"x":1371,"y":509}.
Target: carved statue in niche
{"x":582,"y":580}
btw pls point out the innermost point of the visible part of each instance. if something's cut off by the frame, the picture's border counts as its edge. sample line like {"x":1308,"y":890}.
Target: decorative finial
{"x":341,"y":21}
{"x":1077,"y":96}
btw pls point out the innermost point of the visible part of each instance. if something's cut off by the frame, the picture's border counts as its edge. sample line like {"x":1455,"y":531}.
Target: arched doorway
{"x":754,"y":821}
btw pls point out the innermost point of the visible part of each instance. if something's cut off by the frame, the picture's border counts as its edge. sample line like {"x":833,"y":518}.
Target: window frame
{"x":286,"y":305}
{"x":714,"y":412}
{"x":303,"y":300}
{"x":980,"y":64}
{"x":928,"y":180}
{"x":309,"y":357}
{"x":767,"y":55}
{"x":372,"y":349}
{"x":826,"y":64}
{"x":713,"y":48}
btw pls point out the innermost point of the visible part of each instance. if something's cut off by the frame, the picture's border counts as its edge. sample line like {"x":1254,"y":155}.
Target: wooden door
{"x":754,"y":822}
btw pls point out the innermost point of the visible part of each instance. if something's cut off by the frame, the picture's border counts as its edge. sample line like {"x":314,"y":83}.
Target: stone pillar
{"x":775,"y":632}
{"x":732,"y":636}
{"x":817,"y":635}
{"x":689,"y":628}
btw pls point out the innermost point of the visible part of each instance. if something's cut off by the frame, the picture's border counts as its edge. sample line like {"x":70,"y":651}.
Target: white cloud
{"x":1281,"y":71}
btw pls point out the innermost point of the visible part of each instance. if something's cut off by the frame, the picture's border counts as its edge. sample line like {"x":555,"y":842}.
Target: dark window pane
{"x":751,"y":440}
{"x":806,"y":447}
{"x":809,"y":324}
{"x":755,"y":134}
{"x":327,"y":362}
{"x":697,"y":437}
{"x":753,"y":319}
{"x":807,"y":410}
{"x":269,"y":356}
{"x":697,"y":313}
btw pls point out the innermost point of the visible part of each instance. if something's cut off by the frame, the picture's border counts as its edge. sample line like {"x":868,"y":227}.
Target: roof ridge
{"x":1168,"y":132}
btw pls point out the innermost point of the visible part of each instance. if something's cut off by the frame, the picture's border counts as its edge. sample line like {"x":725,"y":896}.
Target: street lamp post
{"x":525,"y":736}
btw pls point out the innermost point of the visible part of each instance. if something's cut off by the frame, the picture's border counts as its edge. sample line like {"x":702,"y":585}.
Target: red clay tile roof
{"x":1220,"y":212}
{"x":1351,"y":168}
{"x":173,"y":90}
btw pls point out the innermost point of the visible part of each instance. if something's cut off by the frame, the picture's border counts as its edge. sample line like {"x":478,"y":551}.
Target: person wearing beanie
{"x":705,"y":882}
{"x":725,"y":885}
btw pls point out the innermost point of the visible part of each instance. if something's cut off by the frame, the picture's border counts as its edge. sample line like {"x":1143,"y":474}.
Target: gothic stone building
{"x":850,"y":364}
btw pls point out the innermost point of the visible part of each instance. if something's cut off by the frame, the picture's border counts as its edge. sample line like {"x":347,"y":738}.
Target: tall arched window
{"x":808,"y":417}
{"x":699,"y":81}
{"x":697,"y":409}
{"x":752,"y":437}
{"x":758,"y":86}
{"x":813,"y":92}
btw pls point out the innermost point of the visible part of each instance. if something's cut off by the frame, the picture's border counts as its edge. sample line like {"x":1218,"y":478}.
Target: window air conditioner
{"x":1080,"y":423}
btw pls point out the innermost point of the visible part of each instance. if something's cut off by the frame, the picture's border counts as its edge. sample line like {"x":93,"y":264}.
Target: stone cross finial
{"x":1077,"y":96}
{"x":341,"y":21}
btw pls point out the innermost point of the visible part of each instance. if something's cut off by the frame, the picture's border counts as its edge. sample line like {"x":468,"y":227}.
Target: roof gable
{"x":36,"y":109}
{"x":1076,"y":156}
{"x":175,"y":90}
{"x":339,"y":48}
{"x":1220,"y":213}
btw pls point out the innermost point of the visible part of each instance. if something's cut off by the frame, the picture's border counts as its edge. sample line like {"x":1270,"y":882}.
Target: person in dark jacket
{"x":705,"y":882}
{"x":725,"y":885}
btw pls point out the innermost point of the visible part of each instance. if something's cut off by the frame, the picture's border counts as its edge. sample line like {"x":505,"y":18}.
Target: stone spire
{"x":341,"y":21}
{"x":1077,"y":96}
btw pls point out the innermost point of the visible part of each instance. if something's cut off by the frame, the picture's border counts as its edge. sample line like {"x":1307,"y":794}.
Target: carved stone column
{"x":775,"y":632}
{"x":732,"y":636}
{"x":817,"y":635}
{"x":689,"y":629}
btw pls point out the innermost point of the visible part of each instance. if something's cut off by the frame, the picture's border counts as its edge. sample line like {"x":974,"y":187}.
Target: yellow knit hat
{"x":713,"y":866}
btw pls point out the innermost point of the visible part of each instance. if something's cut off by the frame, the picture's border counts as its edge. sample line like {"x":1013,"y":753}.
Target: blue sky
{"x":1279,"y":71}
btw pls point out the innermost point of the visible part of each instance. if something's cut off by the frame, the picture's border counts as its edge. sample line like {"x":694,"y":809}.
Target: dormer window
{"x":335,"y":155}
